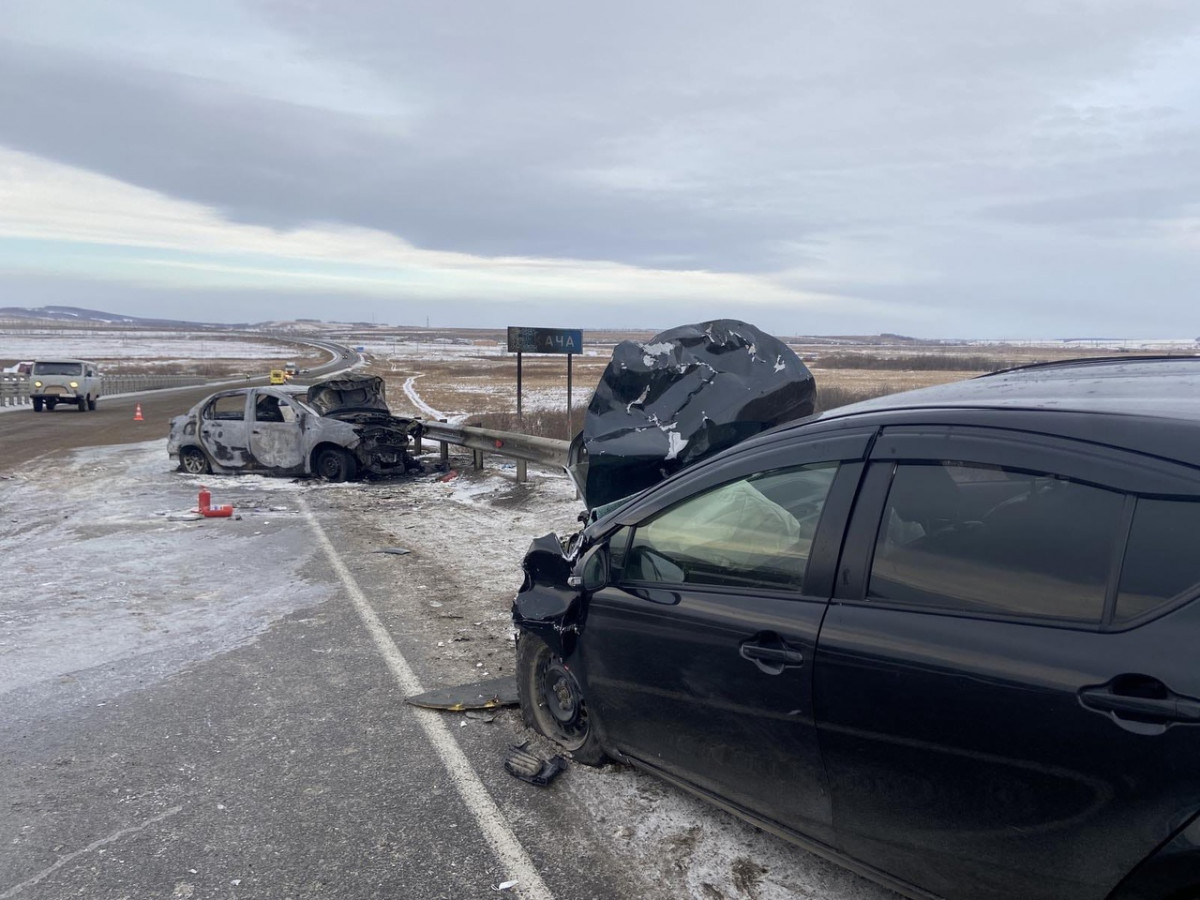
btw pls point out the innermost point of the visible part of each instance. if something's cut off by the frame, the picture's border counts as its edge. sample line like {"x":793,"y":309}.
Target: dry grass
{"x":483,"y":387}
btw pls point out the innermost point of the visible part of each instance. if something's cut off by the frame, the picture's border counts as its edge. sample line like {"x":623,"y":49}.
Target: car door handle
{"x":770,"y":653}
{"x":1169,"y":709}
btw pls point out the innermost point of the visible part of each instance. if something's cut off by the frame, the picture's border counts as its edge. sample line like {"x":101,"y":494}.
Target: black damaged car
{"x":949,"y":638}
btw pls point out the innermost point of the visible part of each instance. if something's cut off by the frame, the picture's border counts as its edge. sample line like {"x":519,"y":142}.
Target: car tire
{"x":92,"y":404}
{"x":37,"y":404}
{"x":335,"y":464}
{"x":82,"y":404}
{"x":50,"y":404}
{"x":552,"y":701}
{"x":193,"y":461}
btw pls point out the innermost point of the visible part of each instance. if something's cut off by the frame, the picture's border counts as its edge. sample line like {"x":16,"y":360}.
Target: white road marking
{"x":115,"y":836}
{"x":504,"y":843}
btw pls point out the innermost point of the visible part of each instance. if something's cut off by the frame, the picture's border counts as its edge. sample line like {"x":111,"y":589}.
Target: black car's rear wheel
{"x":335,"y":464}
{"x":193,"y":461}
{"x":552,"y":701}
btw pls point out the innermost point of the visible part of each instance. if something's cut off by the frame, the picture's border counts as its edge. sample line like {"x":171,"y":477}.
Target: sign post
{"x":545,"y":340}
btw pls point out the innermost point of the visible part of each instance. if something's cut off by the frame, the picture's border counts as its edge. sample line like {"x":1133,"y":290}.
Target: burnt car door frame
{"x":711,"y":686}
{"x":226,"y":441}
{"x":277,"y":444}
{"x":959,"y":745}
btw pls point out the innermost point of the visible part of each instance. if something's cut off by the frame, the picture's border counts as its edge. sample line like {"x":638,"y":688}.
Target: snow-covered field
{"x":106,"y":344}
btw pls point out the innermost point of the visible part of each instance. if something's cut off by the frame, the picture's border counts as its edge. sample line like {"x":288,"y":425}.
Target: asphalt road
{"x":26,"y":435}
{"x":250,"y":738}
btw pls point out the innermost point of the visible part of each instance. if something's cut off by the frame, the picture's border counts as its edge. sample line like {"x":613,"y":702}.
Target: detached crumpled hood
{"x":687,"y":394}
{"x":348,"y":393}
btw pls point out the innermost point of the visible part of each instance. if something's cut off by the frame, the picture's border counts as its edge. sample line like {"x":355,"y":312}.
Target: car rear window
{"x":1042,"y":548}
{"x":1161,"y":562}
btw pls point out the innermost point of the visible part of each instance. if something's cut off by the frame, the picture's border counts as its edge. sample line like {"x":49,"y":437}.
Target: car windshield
{"x":57,"y":368}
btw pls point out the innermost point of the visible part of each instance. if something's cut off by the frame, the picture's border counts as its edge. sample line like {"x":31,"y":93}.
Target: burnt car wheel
{"x":335,"y":465}
{"x":193,"y":461}
{"x":552,"y":701}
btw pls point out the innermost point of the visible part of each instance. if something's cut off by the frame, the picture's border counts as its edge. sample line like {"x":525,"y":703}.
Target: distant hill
{"x":78,"y":315}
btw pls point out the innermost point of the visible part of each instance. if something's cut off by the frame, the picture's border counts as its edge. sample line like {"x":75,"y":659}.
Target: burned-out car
{"x":947,"y":638}
{"x":338,"y":429}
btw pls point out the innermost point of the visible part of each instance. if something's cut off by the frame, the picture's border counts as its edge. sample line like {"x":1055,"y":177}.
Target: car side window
{"x":1045,"y":550}
{"x":755,"y":532}
{"x":230,"y":408}
{"x":1160,"y":562}
{"x":267,"y":409}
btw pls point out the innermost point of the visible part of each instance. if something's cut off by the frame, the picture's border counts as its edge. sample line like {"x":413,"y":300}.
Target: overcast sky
{"x":938,"y":168}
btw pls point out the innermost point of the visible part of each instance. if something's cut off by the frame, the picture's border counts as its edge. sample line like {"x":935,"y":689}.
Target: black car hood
{"x":348,"y":393}
{"x":682,"y":396}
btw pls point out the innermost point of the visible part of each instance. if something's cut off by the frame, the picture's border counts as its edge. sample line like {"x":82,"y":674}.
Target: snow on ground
{"x":133,"y":345}
{"x":410,"y":391}
{"x":104,"y":562}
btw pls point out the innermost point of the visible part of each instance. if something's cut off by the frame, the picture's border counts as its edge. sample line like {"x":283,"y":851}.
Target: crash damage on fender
{"x":338,"y":430}
{"x":547,"y":604}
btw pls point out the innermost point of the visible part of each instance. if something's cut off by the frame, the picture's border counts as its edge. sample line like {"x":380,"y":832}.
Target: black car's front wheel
{"x":552,"y":701}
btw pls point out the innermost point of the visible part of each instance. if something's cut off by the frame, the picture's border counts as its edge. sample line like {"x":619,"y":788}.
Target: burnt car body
{"x":337,"y":429}
{"x":947,"y":638}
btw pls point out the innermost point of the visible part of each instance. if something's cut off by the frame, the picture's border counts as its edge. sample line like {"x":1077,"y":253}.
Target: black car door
{"x":698,"y":654}
{"x":1005,"y":684}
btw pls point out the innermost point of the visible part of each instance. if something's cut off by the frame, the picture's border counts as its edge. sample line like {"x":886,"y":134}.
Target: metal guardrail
{"x":524,"y":448}
{"x":14,"y":389}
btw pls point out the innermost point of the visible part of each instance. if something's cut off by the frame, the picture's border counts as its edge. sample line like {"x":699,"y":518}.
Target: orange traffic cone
{"x":137,"y":414}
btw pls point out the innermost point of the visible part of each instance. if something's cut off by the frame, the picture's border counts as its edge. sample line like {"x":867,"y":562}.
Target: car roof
{"x":1146,"y":404}
{"x":1161,"y":387}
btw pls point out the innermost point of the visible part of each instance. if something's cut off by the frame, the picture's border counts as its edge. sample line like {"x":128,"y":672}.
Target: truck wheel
{"x":92,"y":403}
{"x":37,"y":404}
{"x":50,"y":404}
{"x":82,"y":404}
{"x":334,"y":464}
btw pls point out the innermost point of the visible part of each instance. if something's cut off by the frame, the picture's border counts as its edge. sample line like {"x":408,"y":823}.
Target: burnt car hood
{"x":681,"y":397}
{"x":348,"y":394}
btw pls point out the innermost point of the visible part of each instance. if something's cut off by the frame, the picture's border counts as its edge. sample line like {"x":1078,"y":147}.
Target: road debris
{"x":490,"y":694}
{"x":527,"y":766}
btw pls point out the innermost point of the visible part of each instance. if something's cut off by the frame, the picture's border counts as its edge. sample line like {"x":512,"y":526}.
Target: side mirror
{"x":591,"y":573}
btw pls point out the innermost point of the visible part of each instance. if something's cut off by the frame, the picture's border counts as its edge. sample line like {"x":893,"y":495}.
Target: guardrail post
{"x":444,"y":453}
{"x":478,"y":458}
{"x":522,"y":471}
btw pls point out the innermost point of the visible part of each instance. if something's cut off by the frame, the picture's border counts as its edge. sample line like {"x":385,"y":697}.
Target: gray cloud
{"x":971,"y":145}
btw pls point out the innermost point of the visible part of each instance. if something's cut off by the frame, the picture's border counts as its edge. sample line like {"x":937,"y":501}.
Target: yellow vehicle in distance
{"x":278,"y":376}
